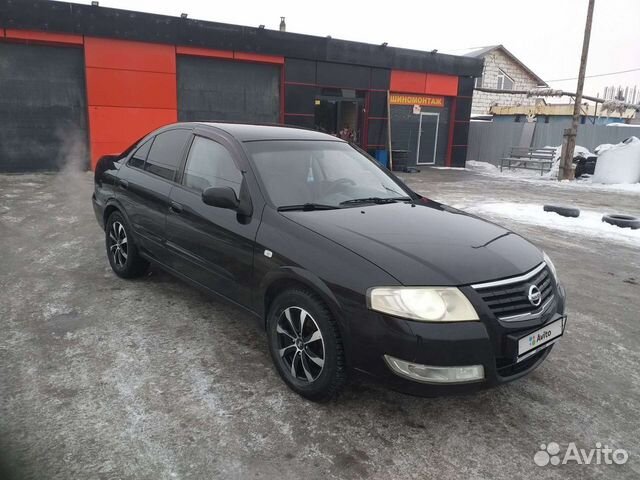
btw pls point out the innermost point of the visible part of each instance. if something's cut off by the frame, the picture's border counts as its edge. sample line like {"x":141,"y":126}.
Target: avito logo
{"x":550,"y":454}
{"x":537,"y":338}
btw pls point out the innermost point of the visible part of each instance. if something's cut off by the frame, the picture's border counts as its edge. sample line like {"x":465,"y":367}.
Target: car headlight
{"x":551,"y":266}
{"x":426,"y":304}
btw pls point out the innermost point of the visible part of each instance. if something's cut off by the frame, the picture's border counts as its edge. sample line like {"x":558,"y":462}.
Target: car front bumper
{"x":491,"y":343}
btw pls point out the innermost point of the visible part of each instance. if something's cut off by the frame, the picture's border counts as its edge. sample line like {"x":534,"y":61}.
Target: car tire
{"x":622,"y":221}
{"x":310,"y":359}
{"x":122,"y":252}
{"x":564,"y":211}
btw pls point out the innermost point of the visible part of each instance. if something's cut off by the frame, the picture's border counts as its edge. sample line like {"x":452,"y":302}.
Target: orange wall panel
{"x":126,"y":55}
{"x":131,"y":90}
{"x":420,"y":82}
{"x":249,"y":57}
{"x":115,"y":128}
{"x":204,"y":52}
{"x":127,"y":88}
{"x":441,"y":85}
{"x":255,"y":57}
{"x":115,"y":124}
{"x":47,"y":37}
{"x":407,"y":82}
{"x":98,"y":149}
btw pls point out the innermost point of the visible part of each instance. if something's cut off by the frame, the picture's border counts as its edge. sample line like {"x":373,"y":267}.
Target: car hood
{"x":425,"y":244}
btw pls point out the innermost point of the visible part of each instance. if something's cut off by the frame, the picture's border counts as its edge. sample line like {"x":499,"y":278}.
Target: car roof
{"x":245,"y":132}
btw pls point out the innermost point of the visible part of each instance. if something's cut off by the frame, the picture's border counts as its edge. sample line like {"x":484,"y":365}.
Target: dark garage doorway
{"x":43,"y":108}
{"x":218,"y":90}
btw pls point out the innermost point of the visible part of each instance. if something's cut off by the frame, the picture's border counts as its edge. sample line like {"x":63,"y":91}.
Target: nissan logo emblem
{"x":534,"y":295}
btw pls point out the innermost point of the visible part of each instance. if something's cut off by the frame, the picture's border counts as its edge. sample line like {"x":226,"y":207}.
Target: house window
{"x":505,"y":82}
{"x":478,"y":82}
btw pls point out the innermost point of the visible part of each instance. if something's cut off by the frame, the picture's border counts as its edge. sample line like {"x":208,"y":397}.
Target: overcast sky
{"x":544,"y":34}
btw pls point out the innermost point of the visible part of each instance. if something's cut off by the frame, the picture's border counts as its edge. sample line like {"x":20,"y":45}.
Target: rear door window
{"x":166,"y":153}
{"x":140,"y":156}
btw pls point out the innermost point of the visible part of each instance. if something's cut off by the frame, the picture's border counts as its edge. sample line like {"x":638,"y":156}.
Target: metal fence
{"x":491,"y":141}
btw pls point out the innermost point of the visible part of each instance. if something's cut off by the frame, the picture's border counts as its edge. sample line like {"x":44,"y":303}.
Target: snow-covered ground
{"x":485,"y":168}
{"x":589,"y":223}
{"x":618,"y":168}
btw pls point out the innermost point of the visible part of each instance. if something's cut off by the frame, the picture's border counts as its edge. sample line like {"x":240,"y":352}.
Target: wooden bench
{"x":529,"y":159}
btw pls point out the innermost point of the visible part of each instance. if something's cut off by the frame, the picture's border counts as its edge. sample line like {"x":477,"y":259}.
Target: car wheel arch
{"x":291,"y":277}
{"x":294,"y":277}
{"x":111,"y":206}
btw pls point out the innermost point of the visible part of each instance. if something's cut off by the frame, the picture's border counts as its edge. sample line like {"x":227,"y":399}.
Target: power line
{"x":593,"y":76}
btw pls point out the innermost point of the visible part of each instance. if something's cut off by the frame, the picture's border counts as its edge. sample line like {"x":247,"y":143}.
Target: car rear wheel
{"x":305,"y":345}
{"x":123,"y":255}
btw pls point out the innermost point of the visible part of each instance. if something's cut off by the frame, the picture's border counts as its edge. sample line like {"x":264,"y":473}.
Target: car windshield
{"x":320,"y":175}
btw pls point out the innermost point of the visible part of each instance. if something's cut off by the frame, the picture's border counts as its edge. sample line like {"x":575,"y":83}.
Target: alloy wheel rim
{"x":300,"y":344}
{"x":118,"y":244}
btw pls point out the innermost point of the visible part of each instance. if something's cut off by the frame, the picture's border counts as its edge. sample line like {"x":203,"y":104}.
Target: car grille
{"x":508,"y":299}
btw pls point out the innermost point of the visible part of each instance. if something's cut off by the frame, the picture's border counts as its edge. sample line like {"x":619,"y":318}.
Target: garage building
{"x":78,"y":77}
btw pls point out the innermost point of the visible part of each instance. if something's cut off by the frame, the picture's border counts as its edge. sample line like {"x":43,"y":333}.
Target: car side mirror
{"x":221,"y":197}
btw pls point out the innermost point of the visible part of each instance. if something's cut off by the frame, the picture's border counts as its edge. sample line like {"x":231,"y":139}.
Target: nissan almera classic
{"x":348,"y":270}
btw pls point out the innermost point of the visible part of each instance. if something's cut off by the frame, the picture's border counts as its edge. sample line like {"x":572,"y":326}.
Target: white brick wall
{"x":493,"y":62}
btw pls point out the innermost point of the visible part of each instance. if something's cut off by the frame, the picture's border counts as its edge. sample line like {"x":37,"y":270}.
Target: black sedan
{"x":348,"y":270}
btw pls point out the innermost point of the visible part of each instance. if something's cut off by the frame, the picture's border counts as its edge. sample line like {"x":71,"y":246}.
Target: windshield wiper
{"x":378,"y":200}
{"x":306,"y":207}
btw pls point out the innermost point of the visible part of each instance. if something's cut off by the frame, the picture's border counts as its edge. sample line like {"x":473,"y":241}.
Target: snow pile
{"x":619,"y":163}
{"x":555,"y":167}
{"x":482,"y":167}
{"x":603,"y":148}
{"x":589,"y":223}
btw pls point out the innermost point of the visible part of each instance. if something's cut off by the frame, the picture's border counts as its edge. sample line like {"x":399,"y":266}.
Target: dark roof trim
{"x":486,"y":50}
{"x":63,"y":17}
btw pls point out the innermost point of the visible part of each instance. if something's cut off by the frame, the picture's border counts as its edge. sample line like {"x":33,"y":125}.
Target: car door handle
{"x":123,"y":184}
{"x":175,"y":207}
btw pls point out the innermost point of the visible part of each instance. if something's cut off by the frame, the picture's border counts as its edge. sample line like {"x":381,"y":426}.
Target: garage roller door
{"x":213,"y":90}
{"x":43,"y":108}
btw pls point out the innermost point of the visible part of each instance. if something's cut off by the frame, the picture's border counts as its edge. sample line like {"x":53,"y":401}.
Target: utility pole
{"x":569,"y":140}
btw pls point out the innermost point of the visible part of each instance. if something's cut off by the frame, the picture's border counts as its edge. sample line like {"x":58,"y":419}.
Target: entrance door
{"x":334,"y":113}
{"x":427,"y":138}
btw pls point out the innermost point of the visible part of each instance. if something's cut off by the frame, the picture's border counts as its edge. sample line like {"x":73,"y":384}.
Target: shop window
{"x":505,"y":82}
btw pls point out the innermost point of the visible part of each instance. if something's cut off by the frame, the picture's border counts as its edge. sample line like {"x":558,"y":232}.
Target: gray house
{"x":502,"y":70}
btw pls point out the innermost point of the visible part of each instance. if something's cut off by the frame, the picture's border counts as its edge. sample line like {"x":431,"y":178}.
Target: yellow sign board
{"x":422,"y":100}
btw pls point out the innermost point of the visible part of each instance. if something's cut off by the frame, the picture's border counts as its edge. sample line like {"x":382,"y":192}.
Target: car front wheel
{"x":305,"y":345}
{"x":123,"y":255}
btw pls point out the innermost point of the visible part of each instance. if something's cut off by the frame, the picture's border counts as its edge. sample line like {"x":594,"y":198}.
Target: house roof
{"x":481,"y":52}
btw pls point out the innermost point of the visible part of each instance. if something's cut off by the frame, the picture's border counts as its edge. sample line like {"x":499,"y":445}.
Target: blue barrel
{"x":382,"y":156}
